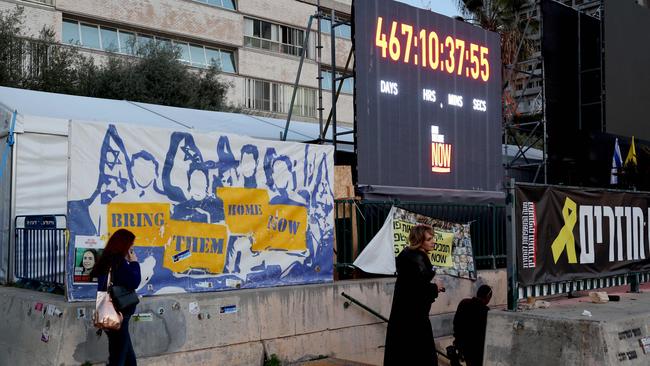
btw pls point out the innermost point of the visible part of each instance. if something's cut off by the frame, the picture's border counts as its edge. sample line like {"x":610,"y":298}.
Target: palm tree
{"x":503,"y":17}
{"x":507,"y":18}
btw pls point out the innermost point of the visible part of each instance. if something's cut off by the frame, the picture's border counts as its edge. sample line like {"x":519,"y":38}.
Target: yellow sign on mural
{"x":146,"y":220}
{"x":248,"y":212}
{"x":245,"y":208}
{"x":196,"y":246}
{"x":285,"y":228}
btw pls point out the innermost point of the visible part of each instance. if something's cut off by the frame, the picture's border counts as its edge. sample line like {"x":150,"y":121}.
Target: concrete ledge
{"x":229,"y":328}
{"x":561,"y":335}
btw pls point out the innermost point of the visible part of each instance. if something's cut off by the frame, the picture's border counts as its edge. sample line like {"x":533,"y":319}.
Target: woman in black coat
{"x":409,"y":339}
{"x":118,"y":258}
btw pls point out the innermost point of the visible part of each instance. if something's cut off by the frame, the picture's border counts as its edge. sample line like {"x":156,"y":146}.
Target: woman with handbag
{"x":119,"y":265}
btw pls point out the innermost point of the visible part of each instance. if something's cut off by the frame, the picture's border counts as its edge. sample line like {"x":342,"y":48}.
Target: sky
{"x":445,"y":7}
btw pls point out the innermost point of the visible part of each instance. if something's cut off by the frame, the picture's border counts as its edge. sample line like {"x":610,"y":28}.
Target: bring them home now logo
{"x":440,"y":152}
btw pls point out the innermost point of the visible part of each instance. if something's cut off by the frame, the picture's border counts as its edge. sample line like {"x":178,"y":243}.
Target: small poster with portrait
{"x":88,"y":249}
{"x":452,"y":253}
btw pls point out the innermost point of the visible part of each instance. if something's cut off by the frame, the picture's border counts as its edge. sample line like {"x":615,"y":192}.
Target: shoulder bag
{"x":123,"y":297}
{"x":106,"y":316}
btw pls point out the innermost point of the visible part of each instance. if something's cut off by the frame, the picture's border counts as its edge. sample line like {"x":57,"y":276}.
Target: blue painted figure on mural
{"x":200,"y":206}
{"x":228,"y":167}
{"x":115,"y":178}
{"x":321,"y":207}
{"x":196,"y":201}
{"x":243,"y":262}
{"x":181,"y":154}
{"x":248,"y":163}
{"x":281,"y":180}
{"x":145,"y":170}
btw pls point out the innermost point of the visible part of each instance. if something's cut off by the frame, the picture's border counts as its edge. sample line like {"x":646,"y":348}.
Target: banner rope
{"x":10,"y":142}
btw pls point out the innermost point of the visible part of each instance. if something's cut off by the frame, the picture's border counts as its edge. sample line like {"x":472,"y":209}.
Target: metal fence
{"x":556,"y":288}
{"x":40,"y":249}
{"x":357,"y":222}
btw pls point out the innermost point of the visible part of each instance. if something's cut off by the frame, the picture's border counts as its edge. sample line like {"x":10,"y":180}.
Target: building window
{"x":126,"y":42}
{"x":273,"y":97}
{"x":273,"y":37}
{"x":70,"y":34}
{"x":342,"y":30}
{"x":348,"y":83}
{"x":228,"y":4}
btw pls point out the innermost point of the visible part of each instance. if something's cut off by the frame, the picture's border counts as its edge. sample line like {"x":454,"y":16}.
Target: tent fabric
{"x":43,"y":112}
{"x":41,"y":174}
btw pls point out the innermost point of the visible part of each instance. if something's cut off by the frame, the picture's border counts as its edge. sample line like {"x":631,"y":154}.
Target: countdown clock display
{"x":427,"y":99}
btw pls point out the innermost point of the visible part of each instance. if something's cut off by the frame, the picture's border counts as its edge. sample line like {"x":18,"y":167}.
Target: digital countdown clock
{"x":427,"y":99}
{"x":425,"y":48}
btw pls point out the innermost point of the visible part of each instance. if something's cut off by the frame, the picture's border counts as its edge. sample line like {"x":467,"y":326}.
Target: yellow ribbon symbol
{"x":565,"y":238}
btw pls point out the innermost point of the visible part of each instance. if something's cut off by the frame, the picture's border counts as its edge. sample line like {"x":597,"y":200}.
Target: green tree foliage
{"x":514,"y":26}
{"x":154,"y":75}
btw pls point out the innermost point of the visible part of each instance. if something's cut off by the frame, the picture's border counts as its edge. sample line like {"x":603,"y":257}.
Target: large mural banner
{"x":210,"y":212}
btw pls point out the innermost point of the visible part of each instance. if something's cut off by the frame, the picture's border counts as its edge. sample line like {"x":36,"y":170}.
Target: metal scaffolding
{"x":336,"y":82}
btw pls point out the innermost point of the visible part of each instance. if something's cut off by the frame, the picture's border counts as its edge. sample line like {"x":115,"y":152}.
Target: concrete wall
{"x":562,"y":335}
{"x":35,"y":15}
{"x":514,"y":339}
{"x":297,"y":322}
{"x":289,"y":12}
{"x":178,"y":17}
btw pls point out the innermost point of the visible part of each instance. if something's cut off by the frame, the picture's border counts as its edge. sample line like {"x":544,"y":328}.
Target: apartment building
{"x":256,"y":43}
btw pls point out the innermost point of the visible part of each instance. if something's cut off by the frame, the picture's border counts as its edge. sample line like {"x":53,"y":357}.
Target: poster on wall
{"x":451,"y":255}
{"x":566,"y":234}
{"x":210,"y":211}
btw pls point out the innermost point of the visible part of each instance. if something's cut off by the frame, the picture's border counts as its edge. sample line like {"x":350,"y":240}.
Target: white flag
{"x":617,"y":162}
{"x":379,"y":256}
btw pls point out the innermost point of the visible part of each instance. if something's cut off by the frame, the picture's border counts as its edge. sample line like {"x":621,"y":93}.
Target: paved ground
{"x":630,"y":304}
{"x":329,"y":362}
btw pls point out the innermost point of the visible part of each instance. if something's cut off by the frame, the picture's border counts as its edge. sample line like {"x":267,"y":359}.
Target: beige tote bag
{"x":106,"y":317}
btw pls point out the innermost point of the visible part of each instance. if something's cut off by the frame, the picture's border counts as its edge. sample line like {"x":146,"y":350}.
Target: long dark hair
{"x":117,"y":247}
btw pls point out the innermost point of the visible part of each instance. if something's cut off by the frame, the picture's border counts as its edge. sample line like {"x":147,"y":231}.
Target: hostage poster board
{"x":452,"y":252}
{"x":210,"y":212}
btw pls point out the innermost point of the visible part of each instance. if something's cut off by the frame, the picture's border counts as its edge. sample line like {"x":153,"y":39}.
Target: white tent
{"x":34,"y":178}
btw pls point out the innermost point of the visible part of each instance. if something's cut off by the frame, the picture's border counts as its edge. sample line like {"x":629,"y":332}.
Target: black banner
{"x":568,"y":234}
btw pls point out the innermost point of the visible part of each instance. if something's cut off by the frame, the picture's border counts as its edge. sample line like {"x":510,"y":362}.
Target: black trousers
{"x":120,"y":349}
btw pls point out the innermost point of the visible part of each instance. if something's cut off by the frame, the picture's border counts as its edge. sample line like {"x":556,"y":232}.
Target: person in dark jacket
{"x":409,"y":338}
{"x":469,"y":326}
{"x":119,"y":258}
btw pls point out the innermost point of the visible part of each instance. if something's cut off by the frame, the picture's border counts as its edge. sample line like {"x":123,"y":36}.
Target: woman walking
{"x":409,"y":339}
{"x":118,"y":258}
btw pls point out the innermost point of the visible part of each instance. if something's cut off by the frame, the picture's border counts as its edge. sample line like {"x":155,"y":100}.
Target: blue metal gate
{"x":40,"y":249}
